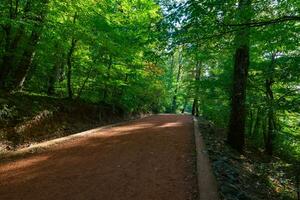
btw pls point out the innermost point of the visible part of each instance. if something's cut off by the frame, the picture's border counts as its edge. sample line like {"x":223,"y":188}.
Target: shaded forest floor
{"x":253,"y":175}
{"x":27,"y":119}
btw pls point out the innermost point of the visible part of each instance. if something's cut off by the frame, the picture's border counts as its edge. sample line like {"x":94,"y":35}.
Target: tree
{"x":237,"y":121}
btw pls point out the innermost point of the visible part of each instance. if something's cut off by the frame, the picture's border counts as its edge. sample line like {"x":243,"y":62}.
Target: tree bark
{"x":69,"y":69}
{"x":11,"y":45}
{"x":184,"y":105}
{"x":174,"y":101}
{"x":53,"y":77}
{"x":20,"y":73}
{"x":195,"y":110}
{"x":237,"y":122}
{"x":270,"y":108}
{"x":84,"y":82}
{"x":109,"y":66}
{"x":6,"y":64}
{"x":69,"y":62}
{"x":26,"y":61}
{"x":254,"y":125}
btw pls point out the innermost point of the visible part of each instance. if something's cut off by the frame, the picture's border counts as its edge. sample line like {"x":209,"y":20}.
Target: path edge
{"x":43,"y":146}
{"x":207,"y":184}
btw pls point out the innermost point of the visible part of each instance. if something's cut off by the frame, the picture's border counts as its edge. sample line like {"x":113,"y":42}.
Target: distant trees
{"x":235,"y":62}
{"x":22,"y":23}
{"x":63,"y":48}
{"x":246,"y":94}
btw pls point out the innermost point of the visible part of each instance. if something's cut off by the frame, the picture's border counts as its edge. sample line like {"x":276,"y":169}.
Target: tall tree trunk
{"x":256,"y":126}
{"x":251,"y":121}
{"x":265,"y":127}
{"x":270,"y":109}
{"x":174,"y":101}
{"x":69,"y":62}
{"x":237,"y":122}
{"x":84,"y":83}
{"x":109,"y":66}
{"x":54,"y":76}
{"x":7,"y":59}
{"x":26,"y":61}
{"x":20,"y":73}
{"x":69,"y":69}
{"x":195,"y":110}
{"x":184,"y":105}
{"x":6,"y":64}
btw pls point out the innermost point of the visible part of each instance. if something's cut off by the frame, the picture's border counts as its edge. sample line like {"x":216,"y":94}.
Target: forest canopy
{"x":235,"y":63}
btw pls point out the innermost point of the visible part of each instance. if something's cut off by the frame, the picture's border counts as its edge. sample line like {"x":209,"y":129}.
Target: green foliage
{"x":115,"y":59}
{"x":160,"y":56}
{"x":205,"y":30}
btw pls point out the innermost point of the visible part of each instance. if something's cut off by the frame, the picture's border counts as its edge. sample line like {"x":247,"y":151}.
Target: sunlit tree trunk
{"x":109,"y":66}
{"x":174,"y":100}
{"x":237,"y":122}
{"x":84,"y":82}
{"x":26,"y":61}
{"x":69,"y":62}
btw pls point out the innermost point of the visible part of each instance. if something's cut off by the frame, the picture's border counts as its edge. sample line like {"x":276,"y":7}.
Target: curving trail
{"x":148,"y":159}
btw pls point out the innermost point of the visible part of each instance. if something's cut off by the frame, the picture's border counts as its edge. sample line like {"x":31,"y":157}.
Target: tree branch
{"x":267,"y":22}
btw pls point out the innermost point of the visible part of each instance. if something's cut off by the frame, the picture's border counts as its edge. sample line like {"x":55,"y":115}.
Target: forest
{"x":235,"y":63}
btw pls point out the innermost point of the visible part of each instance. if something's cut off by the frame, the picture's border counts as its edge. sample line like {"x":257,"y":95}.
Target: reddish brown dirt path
{"x":148,"y":159}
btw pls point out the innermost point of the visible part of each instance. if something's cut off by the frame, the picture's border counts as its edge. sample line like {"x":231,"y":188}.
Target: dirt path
{"x":148,"y":159}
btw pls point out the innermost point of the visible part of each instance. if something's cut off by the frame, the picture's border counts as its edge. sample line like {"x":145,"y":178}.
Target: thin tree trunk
{"x":69,"y":62}
{"x":69,"y":69}
{"x":265,"y":127}
{"x":174,"y":101}
{"x":184,"y":105}
{"x":254,"y":122}
{"x":84,"y":83}
{"x":257,"y":130}
{"x":109,"y":66}
{"x":53,"y":77}
{"x":250,"y":122}
{"x":270,"y":101}
{"x":237,"y":122}
{"x":195,"y":110}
